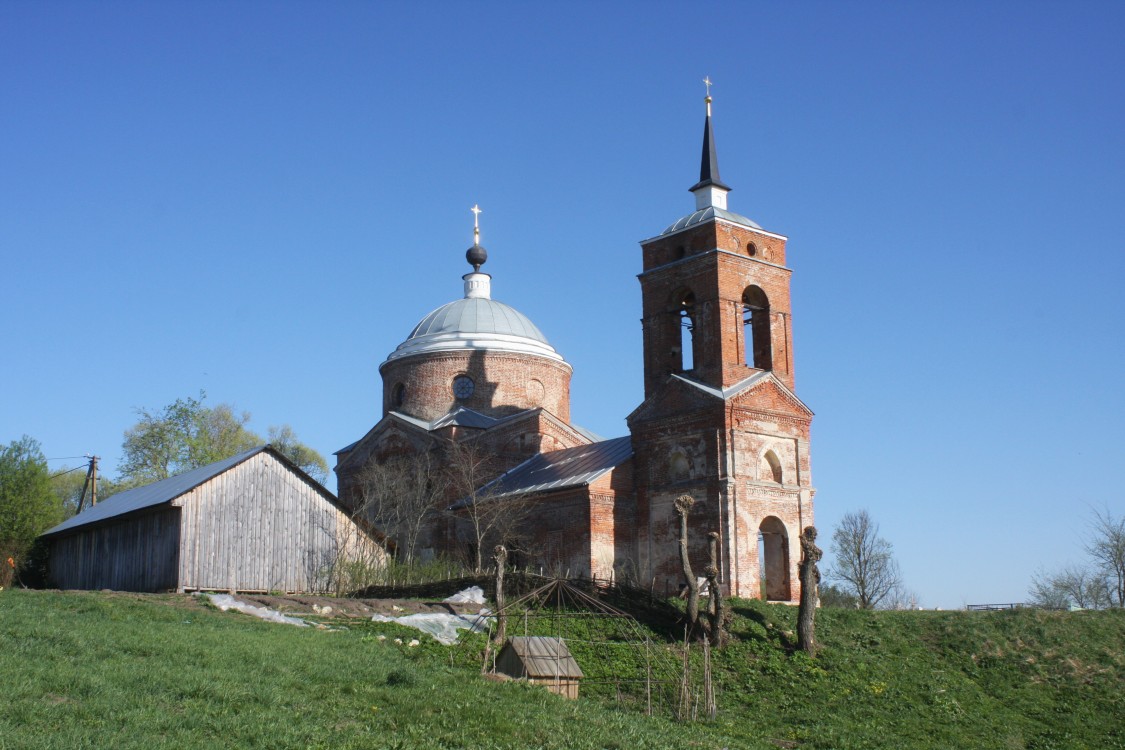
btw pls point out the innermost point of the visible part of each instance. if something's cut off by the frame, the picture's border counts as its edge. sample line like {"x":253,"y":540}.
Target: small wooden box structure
{"x":540,"y":660}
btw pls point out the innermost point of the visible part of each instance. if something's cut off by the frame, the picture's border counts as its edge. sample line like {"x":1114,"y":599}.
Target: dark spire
{"x":709,"y":166}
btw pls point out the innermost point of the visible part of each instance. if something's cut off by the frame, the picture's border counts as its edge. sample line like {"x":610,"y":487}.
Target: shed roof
{"x":556,"y":470}
{"x":167,"y":490}
{"x":543,"y":656}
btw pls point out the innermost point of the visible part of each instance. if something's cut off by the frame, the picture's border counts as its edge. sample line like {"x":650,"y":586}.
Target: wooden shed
{"x":542,"y":661}
{"x":254,"y":522}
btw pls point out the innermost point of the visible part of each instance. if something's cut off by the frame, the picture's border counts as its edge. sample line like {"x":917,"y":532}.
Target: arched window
{"x":685,"y":311}
{"x":751,"y":249}
{"x":771,"y":468}
{"x":756,"y":328}
{"x":678,"y":467}
{"x":398,"y":394}
{"x":773,"y":560}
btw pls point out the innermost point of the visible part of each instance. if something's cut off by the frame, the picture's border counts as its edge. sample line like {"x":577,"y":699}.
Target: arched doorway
{"x":773,"y":560}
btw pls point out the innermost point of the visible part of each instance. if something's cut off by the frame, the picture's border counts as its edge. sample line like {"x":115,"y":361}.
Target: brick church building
{"x":719,"y":420}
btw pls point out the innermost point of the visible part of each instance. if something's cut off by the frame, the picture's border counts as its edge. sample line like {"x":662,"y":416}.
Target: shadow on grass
{"x":767,"y":632}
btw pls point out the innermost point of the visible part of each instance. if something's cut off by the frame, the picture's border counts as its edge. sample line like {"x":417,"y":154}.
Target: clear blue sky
{"x":261,"y":199}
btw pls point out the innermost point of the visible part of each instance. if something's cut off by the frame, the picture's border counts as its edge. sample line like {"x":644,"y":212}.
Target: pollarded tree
{"x":28,"y":503}
{"x":864,"y":562}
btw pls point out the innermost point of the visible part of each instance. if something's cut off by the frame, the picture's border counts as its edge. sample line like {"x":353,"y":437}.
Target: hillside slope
{"x":122,"y":671}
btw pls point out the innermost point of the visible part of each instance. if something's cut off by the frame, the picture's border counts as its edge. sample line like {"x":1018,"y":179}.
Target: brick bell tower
{"x":720,"y":420}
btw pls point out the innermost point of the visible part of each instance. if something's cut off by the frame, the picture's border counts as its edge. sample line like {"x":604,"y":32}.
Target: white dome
{"x":475,"y":322}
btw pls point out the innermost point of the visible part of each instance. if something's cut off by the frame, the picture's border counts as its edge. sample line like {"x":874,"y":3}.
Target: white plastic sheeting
{"x":471,"y":595}
{"x":226,"y":601}
{"x":441,"y":625}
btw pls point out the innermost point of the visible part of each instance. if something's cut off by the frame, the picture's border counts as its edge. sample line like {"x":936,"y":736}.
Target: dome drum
{"x":494,"y":383}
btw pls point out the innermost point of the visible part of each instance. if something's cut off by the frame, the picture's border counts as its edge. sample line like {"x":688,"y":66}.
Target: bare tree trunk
{"x":715,"y":607}
{"x":501,"y":558}
{"x":683,"y":505}
{"x":810,"y":580}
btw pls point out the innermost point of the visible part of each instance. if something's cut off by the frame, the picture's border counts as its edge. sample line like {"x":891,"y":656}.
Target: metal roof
{"x":543,"y":656}
{"x":556,"y":470}
{"x":709,"y":167}
{"x":475,"y":323}
{"x":705,"y":214}
{"x":167,"y":490}
{"x":463,"y":417}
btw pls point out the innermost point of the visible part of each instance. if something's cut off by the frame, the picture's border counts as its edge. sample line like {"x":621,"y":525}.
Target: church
{"x":719,"y":419}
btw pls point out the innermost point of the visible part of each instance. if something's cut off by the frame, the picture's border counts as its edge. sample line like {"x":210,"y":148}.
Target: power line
{"x":67,"y":471}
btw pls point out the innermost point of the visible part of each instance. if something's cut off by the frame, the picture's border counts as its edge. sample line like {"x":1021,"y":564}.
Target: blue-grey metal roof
{"x":462,"y":417}
{"x":556,"y":470}
{"x":706,"y":214}
{"x":477,"y":315}
{"x":151,"y":495}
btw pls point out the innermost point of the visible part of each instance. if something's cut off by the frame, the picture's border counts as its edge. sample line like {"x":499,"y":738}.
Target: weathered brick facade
{"x":719,"y":420}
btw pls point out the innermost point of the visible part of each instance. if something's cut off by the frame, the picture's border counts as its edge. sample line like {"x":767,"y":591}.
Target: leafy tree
{"x":865,"y":565}
{"x":68,"y":483}
{"x":187,"y":434}
{"x":284,"y":439}
{"x":28,"y":505}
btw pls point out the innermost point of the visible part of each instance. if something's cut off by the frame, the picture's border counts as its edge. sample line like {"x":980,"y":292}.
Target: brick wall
{"x":505,"y":383}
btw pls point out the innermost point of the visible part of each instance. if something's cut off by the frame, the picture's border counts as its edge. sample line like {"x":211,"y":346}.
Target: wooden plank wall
{"x":135,"y":554}
{"x":260,"y":527}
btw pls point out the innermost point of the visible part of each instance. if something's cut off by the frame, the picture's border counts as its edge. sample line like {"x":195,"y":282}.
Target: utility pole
{"x":91,"y":483}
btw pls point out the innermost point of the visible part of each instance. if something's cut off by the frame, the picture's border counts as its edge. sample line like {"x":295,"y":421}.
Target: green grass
{"x":110,"y":670}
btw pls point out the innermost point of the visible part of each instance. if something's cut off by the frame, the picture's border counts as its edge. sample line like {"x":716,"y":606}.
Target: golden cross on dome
{"x":476,"y":223}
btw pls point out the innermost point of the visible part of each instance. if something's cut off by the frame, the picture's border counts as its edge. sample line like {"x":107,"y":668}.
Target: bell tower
{"x":720,"y":420}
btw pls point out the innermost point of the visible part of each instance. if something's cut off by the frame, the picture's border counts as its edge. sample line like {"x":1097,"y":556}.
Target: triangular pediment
{"x":393,"y":432}
{"x":681,"y":394}
{"x":771,"y":394}
{"x":677,"y":395}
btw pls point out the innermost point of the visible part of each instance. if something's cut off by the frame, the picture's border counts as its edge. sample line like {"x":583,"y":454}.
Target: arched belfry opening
{"x":773,"y":560}
{"x":685,"y":315}
{"x":756,"y":328}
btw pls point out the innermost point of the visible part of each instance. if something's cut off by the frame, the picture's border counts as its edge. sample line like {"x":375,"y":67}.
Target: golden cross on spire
{"x":476,"y":223}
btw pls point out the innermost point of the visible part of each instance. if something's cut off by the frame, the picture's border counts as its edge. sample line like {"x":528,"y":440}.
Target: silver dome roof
{"x":475,"y":322}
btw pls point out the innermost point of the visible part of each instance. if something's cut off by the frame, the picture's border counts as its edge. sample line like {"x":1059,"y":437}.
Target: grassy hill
{"x":84,"y":670}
